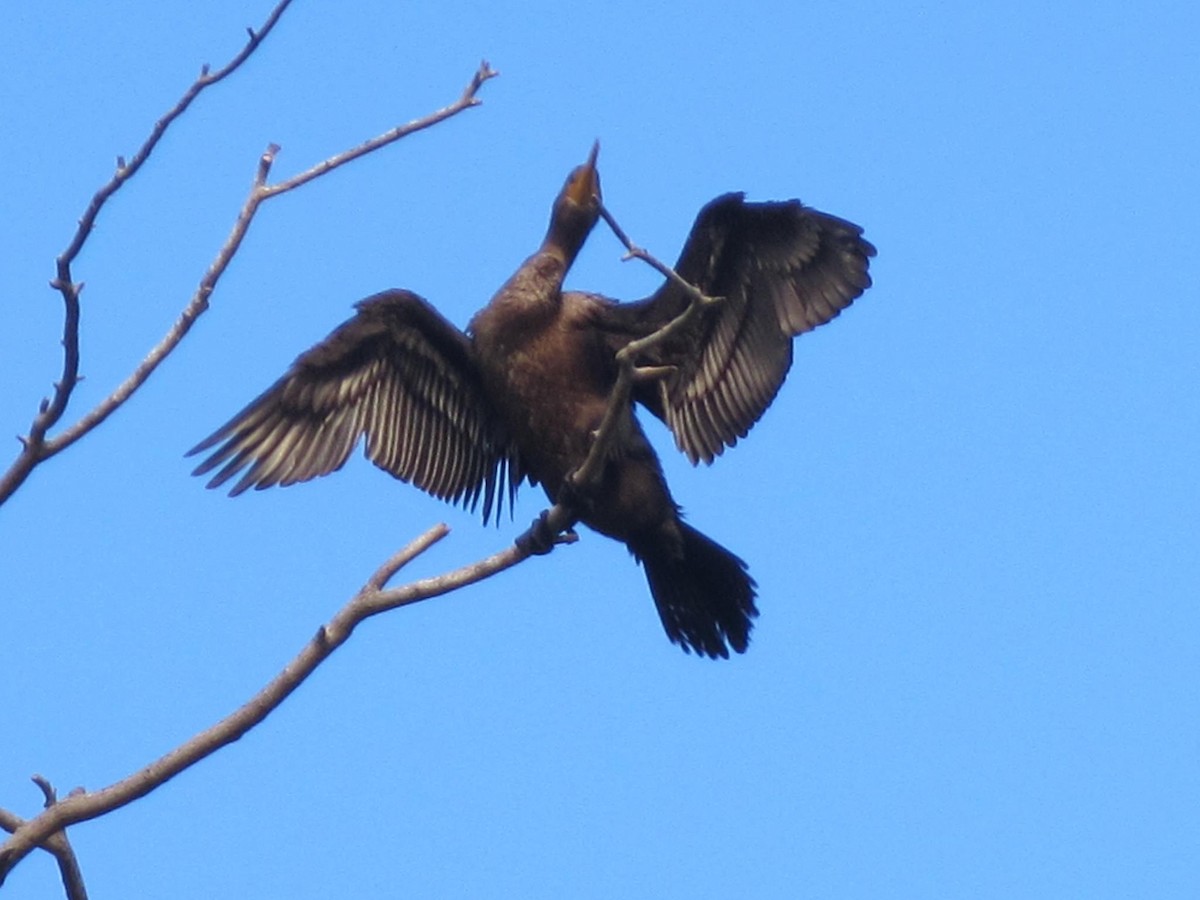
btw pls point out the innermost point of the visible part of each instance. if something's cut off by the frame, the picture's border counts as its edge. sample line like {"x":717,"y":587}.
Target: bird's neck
{"x":532,"y":298}
{"x":565,"y":236}
{"x":526,"y":303}
{"x":537,"y":284}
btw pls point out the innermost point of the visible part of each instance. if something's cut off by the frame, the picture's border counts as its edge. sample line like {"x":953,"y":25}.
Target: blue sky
{"x":972,"y":511}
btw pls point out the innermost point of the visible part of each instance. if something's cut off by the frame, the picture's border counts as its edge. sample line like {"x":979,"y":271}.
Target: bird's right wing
{"x":397,"y":373}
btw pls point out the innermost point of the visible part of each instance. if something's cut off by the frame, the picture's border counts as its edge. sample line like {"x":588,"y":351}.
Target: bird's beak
{"x":585,"y":182}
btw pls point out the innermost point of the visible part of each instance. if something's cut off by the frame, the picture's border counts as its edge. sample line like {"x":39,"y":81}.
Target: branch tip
{"x":264,"y":168}
{"x":50,"y":796}
{"x":485,"y":72}
{"x":403,"y":557}
{"x":465,"y":101}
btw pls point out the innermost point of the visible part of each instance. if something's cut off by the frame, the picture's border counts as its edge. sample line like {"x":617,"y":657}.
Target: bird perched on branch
{"x":522,"y":394}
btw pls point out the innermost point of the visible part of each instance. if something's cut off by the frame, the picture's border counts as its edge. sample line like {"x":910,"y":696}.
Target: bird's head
{"x":583,"y":184}
{"x":577,"y":207}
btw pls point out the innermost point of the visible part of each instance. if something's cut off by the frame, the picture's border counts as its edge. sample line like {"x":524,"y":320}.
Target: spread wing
{"x":397,"y":373}
{"x":782,"y":269}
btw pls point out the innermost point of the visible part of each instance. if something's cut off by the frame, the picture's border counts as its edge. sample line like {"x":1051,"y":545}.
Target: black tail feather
{"x":705,"y":596}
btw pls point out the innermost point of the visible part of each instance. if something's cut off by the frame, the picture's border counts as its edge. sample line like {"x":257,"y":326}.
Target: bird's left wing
{"x":780,"y":269}
{"x":397,"y":373}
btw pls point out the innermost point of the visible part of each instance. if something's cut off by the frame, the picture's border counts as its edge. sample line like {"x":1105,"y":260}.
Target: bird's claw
{"x":540,"y":538}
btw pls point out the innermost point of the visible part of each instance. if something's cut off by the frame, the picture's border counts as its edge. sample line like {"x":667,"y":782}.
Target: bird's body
{"x":522,"y":394}
{"x":549,"y":372}
{"x":547,"y":376}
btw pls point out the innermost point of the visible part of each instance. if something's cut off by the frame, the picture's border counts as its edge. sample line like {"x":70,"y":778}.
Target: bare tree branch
{"x":57,"y":844}
{"x":35,"y":448}
{"x":466,"y":101}
{"x":88,"y":805}
{"x":260,"y":192}
{"x":370,"y":601}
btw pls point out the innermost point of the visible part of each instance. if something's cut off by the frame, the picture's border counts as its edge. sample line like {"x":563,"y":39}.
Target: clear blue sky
{"x":972,"y":512}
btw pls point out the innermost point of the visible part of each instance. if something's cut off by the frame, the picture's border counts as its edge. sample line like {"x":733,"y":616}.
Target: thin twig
{"x":260,"y":192}
{"x":628,"y":370}
{"x":403,"y":557}
{"x":369,"y":601}
{"x":636,"y":252}
{"x":49,"y":794}
{"x":36,"y":448}
{"x":468,"y":99}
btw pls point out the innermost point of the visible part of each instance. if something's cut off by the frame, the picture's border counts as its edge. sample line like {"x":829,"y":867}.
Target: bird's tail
{"x":704,"y":595}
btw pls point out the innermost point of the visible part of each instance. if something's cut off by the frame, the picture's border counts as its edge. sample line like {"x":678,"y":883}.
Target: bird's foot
{"x":541,"y":537}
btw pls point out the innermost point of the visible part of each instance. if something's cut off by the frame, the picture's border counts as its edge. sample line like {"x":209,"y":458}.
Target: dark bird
{"x":467,"y":417}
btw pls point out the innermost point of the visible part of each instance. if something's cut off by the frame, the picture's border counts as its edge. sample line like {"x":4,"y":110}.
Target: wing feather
{"x":397,"y":374}
{"x":781,"y":269}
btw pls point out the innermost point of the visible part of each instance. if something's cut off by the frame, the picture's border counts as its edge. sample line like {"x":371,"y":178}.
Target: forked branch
{"x":80,"y":807}
{"x":371,"y":600}
{"x":57,"y":844}
{"x":36,"y":448}
{"x":260,"y":192}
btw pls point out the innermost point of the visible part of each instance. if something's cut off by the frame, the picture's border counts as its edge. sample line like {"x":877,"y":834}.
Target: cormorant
{"x":520,"y":395}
